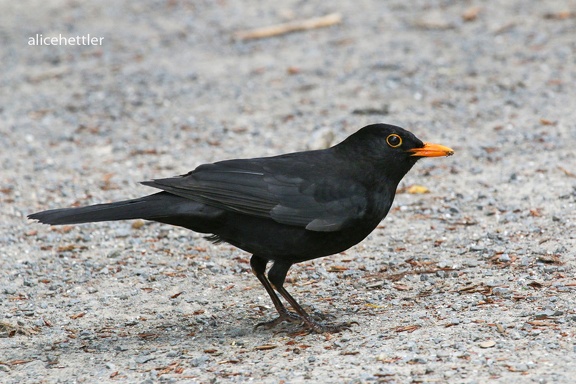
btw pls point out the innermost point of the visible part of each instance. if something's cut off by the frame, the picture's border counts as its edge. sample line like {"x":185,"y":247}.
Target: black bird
{"x":283,"y":209}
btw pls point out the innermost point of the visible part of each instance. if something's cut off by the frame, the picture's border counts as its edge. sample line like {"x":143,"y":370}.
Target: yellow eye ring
{"x":394,"y":140}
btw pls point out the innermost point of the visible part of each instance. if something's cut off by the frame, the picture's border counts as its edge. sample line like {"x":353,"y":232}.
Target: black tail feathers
{"x":148,"y":207}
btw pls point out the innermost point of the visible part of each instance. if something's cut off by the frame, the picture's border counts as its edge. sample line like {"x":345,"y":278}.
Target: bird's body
{"x":285,"y":209}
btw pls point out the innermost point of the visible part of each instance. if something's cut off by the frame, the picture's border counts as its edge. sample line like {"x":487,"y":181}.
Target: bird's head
{"x":390,"y":147}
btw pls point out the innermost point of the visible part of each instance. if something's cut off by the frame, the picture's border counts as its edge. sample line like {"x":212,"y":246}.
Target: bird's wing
{"x":287,"y":192}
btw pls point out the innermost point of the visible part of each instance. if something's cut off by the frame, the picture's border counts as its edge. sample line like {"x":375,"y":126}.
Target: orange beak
{"x":432,"y":150}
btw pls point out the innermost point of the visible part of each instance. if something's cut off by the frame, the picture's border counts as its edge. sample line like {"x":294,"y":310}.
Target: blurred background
{"x":175,"y":84}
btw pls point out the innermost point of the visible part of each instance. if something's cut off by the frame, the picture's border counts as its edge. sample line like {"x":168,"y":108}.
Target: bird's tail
{"x":148,"y":207}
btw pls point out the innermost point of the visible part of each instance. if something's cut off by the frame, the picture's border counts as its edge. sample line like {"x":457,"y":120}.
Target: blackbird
{"x":283,"y":209}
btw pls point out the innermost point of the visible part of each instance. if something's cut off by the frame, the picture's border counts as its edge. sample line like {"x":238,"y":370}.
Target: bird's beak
{"x":431,"y":150}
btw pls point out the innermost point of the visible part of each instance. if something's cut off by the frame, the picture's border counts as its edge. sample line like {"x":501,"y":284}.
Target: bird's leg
{"x":276,"y":277}
{"x":258,"y":265}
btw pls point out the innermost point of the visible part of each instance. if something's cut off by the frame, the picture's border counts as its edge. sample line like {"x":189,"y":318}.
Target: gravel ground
{"x":472,"y":282}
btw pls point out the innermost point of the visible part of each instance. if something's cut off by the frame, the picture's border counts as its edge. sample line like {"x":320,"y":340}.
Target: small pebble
{"x":487,"y":344}
{"x":92,"y":290}
{"x":144,"y":359}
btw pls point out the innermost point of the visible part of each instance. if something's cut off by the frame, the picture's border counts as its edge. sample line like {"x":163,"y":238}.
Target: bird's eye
{"x":394,"y":140}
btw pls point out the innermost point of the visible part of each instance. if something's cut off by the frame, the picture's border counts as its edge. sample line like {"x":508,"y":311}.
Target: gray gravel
{"x":472,"y":282}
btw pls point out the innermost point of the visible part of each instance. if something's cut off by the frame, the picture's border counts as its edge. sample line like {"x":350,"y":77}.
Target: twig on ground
{"x":293,"y":26}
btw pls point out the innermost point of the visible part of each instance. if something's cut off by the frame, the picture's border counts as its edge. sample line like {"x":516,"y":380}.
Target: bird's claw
{"x":308,"y":324}
{"x":288,"y":316}
{"x":331,"y":328}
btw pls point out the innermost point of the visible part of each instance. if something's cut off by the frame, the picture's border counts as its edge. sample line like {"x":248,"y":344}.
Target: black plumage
{"x":283,"y":209}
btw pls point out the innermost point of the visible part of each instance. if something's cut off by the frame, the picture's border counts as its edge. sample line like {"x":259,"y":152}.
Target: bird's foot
{"x":307,"y":323}
{"x":285,"y":315}
{"x":329,"y":328}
